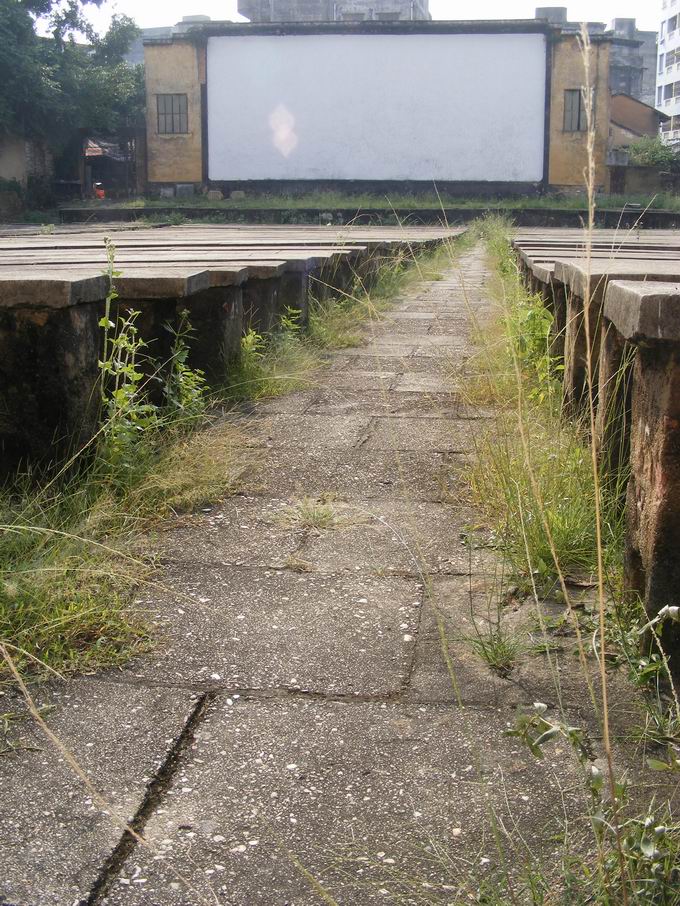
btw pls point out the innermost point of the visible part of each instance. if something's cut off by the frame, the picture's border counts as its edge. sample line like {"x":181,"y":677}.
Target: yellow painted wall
{"x":176,"y":68}
{"x":568,"y":150}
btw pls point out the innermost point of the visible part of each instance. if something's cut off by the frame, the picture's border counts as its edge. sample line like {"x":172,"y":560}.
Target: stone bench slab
{"x":643,"y":313}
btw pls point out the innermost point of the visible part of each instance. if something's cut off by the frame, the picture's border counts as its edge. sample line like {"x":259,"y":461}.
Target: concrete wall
{"x":568,"y":150}
{"x":633,"y":68}
{"x":377,"y":107}
{"x":634,"y":116}
{"x":175,"y":68}
{"x":619,"y":138}
{"x":631,"y":180}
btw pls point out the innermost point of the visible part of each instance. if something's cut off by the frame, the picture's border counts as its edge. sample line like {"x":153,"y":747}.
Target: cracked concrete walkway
{"x":296,"y":729}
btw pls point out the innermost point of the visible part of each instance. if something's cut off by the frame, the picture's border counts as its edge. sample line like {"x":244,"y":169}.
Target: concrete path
{"x":296,"y":737}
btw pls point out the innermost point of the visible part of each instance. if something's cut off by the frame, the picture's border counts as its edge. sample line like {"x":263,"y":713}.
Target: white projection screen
{"x":448,"y":107}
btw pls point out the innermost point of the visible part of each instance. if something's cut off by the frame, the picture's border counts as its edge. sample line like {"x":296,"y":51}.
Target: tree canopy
{"x":651,"y":151}
{"x":53,"y":86}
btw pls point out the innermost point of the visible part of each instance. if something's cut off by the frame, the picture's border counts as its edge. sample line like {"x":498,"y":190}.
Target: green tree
{"x":64,"y":16}
{"x":53,"y":87}
{"x":651,"y":151}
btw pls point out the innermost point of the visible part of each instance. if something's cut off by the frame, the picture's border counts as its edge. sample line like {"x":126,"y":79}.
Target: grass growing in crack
{"x":298,"y":565}
{"x":499,"y":649}
{"x":310,"y":514}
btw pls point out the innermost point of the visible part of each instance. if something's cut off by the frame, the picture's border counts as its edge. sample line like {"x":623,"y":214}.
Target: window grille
{"x":173,"y":115}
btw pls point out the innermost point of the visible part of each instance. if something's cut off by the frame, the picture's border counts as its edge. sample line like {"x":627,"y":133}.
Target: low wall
{"x":523,"y":217}
{"x":645,"y":320}
{"x":634,"y":330}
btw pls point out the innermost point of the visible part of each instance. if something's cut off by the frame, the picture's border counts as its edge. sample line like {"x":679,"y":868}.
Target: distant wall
{"x":446,"y":107}
{"x":633,"y":180}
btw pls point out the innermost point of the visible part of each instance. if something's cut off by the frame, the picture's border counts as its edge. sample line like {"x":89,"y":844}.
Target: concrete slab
{"x":391,"y":403}
{"x":359,"y":474}
{"x":642,"y":312}
{"x":372,"y":800}
{"x":54,"y":838}
{"x":243,"y":628}
{"x":414,"y":537}
{"x":359,"y":379}
{"x":578,"y":273}
{"x":242,"y":531}
{"x":386,"y":364}
{"x":383,"y":351}
{"x":315,"y":432}
{"x":441,"y":435}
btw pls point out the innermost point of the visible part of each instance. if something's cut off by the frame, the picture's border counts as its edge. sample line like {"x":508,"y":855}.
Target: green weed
{"x":68,"y":567}
{"x":271,"y":367}
{"x":539,"y":488}
{"x":499,"y":649}
{"x":310,"y":514}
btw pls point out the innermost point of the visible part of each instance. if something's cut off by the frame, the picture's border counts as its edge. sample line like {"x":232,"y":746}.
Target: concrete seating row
{"x":53,"y":290}
{"x":632,"y":291}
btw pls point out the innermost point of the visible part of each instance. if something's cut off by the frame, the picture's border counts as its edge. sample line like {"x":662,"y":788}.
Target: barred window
{"x":575,"y":119}
{"x":173,"y":116}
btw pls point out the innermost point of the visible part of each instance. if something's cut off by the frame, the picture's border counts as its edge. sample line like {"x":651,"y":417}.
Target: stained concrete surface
{"x":358,"y":795}
{"x":336,"y":751}
{"x":54,"y":836}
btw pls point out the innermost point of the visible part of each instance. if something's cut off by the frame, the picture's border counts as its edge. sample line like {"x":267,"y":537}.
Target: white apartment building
{"x":668,"y":69}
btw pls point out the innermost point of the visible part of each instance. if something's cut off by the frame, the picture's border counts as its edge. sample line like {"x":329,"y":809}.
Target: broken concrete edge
{"x":642,"y":313}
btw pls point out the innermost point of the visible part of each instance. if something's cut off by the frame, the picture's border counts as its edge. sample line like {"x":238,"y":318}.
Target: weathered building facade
{"x":633,"y":61}
{"x":668,"y":69}
{"x":333,"y":10}
{"x":569,"y":112}
{"x":632,"y":54}
{"x":420,"y":106}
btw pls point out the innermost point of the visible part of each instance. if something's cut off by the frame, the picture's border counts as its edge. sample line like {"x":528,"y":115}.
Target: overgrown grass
{"x":272,"y":366}
{"x":537,"y":486}
{"x":70,"y":557}
{"x":536,"y":478}
{"x":401,"y":202}
{"x":70,"y":554}
{"x":290,"y":358}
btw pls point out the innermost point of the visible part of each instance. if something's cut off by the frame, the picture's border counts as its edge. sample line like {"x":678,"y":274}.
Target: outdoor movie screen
{"x":445,"y":107}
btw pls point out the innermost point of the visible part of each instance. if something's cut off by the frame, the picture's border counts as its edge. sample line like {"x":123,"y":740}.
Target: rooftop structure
{"x":633,"y":52}
{"x":334,"y":10}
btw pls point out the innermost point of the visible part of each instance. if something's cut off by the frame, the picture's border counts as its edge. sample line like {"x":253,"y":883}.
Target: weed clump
{"x":274,"y":366}
{"x":68,"y":567}
{"x":537,"y":484}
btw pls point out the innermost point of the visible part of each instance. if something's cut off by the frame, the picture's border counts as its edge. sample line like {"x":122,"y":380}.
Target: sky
{"x":148,"y":13}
